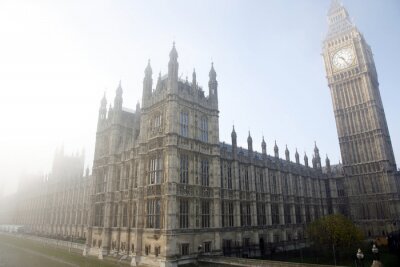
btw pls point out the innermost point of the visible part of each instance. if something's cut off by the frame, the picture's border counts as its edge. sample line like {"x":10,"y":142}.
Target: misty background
{"x":57,"y":58}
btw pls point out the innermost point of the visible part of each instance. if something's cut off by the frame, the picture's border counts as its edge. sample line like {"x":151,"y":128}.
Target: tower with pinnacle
{"x":364,"y":139}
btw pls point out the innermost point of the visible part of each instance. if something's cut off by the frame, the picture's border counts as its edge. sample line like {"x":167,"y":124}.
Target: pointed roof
{"x":233,"y":131}
{"x":212,"y":74}
{"x":119,"y":89}
{"x":148,"y":71}
{"x":335,"y":6}
{"x":104,"y":100}
{"x":173,"y":54}
{"x":338,"y":19}
{"x":263,"y":142}
{"x":249,"y":139}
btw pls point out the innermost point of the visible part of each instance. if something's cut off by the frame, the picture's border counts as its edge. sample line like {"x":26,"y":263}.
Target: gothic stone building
{"x":165,"y":188}
{"x":56,"y":205}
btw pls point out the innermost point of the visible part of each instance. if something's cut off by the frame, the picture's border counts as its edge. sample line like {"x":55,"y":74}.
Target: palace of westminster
{"x":164,"y":187}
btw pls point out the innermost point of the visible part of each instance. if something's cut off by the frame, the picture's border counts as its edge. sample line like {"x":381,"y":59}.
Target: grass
{"x":74,"y":257}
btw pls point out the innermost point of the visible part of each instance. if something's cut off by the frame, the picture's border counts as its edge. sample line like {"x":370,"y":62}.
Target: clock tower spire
{"x":365,"y":145}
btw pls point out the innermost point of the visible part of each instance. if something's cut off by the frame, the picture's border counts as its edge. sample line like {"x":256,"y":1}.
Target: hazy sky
{"x":58,"y":57}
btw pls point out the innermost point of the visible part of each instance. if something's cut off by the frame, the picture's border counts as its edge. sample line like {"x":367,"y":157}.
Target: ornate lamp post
{"x":360,"y":258}
{"x":375,"y":252}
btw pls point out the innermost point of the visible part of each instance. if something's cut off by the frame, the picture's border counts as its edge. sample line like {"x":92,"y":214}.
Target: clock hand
{"x":344,"y":60}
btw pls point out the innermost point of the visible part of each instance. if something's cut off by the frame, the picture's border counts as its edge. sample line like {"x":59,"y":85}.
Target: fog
{"x":57,"y":58}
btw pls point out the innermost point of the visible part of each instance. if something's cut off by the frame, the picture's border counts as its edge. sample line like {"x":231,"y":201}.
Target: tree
{"x":335,"y":232}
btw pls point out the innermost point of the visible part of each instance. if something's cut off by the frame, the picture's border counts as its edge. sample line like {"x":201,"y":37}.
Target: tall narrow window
{"x":133,"y":216}
{"x":245,"y":214}
{"x":229,"y":176}
{"x":261,"y":215}
{"x":184,"y":122}
{"x":153,"y":213}
{"x":205,"y":213}
{"x":184,"y":169}
{"x":98,"y":215}
{"x":155,"y":170}
{"x":183,"y":213}
{"x":227,"y":213}
{"x":286,"y":211}
{"x":125,"y":215}
{"x":204,"y":173}
{"x":204,"y":129}
{"x":275,"y":213}
{"x":115,"y":216}
{"x":246,"y":179}
{"x":298,"y":214}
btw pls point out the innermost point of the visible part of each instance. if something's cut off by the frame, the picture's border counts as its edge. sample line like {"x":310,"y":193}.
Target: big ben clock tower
{"x":366,"y":150}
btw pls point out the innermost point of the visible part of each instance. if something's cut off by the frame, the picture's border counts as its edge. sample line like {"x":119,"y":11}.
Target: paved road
{"x":12,"y":256}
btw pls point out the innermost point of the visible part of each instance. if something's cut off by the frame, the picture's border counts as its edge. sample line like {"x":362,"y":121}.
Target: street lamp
{"x":360,"y":258}
{"x":375,"y":252}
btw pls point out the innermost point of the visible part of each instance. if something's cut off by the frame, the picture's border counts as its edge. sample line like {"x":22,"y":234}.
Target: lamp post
{"x":375,"y":252}
{"x":360,"y":258}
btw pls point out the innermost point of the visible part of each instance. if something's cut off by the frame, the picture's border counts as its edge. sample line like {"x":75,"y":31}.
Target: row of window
{"x":154,"y":212}
{"x":184,"y":126}
{"x":289,"y":185}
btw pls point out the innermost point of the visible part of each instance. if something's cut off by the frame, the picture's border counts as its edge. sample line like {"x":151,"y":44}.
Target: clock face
{"x":343,"y":58}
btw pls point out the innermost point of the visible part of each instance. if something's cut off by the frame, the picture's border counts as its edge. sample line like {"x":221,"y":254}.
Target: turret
{"x":264,"y":147}
{"x":118,"y":98}
{"x":194,"y":80}
{"x":328,"y":164}
{"x":287,"y":154}
{"x":103,"y":108}
{"x":317,"y":157}
{"x":147,"y":83}
{"x":213,"y":85}
{"x":276,"y":150}
{"x":173,"y":67}
{"x":250,"y":143}
{"x":305,"y":159}
{"x":234,"y":142}
{"x":297,"y":157}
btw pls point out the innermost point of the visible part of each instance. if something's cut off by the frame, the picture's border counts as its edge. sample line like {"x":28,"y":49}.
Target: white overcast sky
{"x":58,"y":57}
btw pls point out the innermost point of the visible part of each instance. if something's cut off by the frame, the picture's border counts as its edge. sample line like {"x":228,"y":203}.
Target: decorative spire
{"x":338,"y":19}
{"x":297,"y":157}
{"x":173,"y":55}
{"x":234,"y":142}
{"x":316,"y":150}
{"x":158,"y":86}
{"x":194,"y":81}
{"x":233,"y":135}
{"x":148,"y":71}
{"x":212,"y":74}
{"x":264,"y":146}
{"x":104,"y":101}
{"x":287,"y":154}
{"x":305,"y":159}
{"x":250,"y":142}
{"x":328,"y":164}
{"x":276,"y":150}
{"x":335,"y":6}
{"x":119,"y":89}
{"x":118,"y":97}
{"x":173,"y":67}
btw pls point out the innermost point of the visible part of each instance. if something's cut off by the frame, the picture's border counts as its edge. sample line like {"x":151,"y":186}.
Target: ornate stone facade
{"x":56,"y":204}
{"x":164,"y":188}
